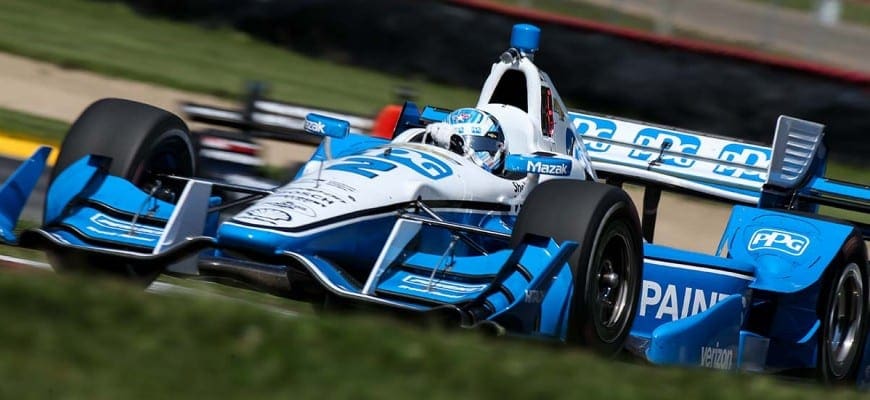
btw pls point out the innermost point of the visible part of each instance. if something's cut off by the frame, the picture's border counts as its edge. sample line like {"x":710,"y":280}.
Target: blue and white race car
{"x":490,"y":217}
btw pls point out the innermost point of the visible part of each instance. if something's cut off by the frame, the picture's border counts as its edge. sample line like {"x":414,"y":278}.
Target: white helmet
{"x":482,"y":139}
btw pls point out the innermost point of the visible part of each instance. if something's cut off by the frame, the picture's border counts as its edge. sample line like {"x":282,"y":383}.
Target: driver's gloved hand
{"x":444,"y":135}
{"x":440,"y":132}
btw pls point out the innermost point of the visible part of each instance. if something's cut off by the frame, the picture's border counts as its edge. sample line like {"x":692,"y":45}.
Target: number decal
{"x":381,"y":160}
{"x":424,"y":164}
{"x":364,"y":166}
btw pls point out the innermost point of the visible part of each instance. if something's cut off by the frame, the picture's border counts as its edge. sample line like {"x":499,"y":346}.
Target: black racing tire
{"x":142,"y":141}
{"x":608,"y":264}
{"x":843,"y":311}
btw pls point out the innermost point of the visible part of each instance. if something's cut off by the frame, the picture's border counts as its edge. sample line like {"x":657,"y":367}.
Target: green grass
{"x":71,"y":338}
{"x":28,"y":126}
{"x":111,"y":39}
{"x":849,"y":173}
{"x":854,"y":11}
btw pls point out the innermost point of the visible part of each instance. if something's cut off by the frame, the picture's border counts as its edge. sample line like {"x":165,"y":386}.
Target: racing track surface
{"x":161,"y":288}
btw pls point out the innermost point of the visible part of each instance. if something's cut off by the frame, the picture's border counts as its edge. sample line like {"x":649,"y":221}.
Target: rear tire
{"x":843,"y":311}
{"x":142,"y":141}
{"x":607,"y":265}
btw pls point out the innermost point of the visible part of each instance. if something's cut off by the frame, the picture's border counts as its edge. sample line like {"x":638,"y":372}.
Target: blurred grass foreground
{"x":72,"y":338}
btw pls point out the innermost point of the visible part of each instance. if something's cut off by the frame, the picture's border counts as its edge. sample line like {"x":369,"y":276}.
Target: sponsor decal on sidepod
{"x":716,"y":357}
{"x":774,"y":239}
{"x":674,"y":303}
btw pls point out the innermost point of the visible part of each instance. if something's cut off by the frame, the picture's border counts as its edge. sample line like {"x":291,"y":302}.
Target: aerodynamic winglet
{"x":16,"y":190}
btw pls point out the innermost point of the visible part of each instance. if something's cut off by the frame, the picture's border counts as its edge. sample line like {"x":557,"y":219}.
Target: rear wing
{"x":691,"y":161}
{"x":787,"y":175}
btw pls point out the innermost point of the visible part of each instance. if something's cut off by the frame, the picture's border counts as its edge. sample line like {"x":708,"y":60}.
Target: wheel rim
{"x":612,"y":280}
{"x":170,"y":157}
{"x":845,"y":317}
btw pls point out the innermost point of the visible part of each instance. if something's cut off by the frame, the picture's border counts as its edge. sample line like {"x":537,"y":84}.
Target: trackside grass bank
{"x":66,"y":337}
{"x":109,"y":38}
{"x":19,"y":125}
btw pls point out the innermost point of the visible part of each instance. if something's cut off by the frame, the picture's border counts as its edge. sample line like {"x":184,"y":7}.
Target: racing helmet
{"x":482,"y":140}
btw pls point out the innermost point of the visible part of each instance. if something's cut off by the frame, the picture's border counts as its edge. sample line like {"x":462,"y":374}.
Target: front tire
{"x":143,"y":142}
{"x":608,"y":264}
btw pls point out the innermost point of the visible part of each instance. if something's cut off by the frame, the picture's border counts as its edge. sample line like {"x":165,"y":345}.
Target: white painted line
{"x":163,"y":288}
{"x":27,"y":263}
{"x":700,"y":269}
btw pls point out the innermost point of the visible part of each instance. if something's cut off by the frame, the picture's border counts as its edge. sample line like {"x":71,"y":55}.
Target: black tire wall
{"x":592,"y":70}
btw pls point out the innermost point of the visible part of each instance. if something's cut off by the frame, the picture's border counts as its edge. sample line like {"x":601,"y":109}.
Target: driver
{"x":474,"y":134}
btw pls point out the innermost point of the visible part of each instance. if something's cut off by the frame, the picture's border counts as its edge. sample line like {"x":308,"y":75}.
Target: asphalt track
{"x":160,"y":288}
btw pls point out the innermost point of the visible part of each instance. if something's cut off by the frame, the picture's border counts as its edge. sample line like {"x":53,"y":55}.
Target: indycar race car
{"x":493,"y":217}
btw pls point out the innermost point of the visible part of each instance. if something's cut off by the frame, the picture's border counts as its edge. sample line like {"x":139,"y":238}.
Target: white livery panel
{"x":377,"y":178}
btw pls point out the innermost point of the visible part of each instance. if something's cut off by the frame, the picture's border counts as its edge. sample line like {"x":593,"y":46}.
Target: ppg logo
{"x":594,"y":128}
{"x":750,"y":156}
{"x":771,"y":239}
{"x":656,"y":139}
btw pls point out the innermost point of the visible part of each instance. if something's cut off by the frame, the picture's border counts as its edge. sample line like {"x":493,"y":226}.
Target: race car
{"x":460,"y":216}
{"x":493,"y":217}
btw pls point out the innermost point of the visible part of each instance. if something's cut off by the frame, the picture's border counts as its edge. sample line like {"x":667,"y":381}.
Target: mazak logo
{"x":315,"y":127}
{"x":658,"y":141}
{"x":750,"y":156}
{"x":773,"y":239}
{"x":539,"y":167}
{"x":594,"y":128}
{"x":675,"y":303}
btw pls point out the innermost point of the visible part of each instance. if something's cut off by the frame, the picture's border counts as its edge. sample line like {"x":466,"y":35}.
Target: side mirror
{"x":538,"y":164}
{"x":322,"y":125}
